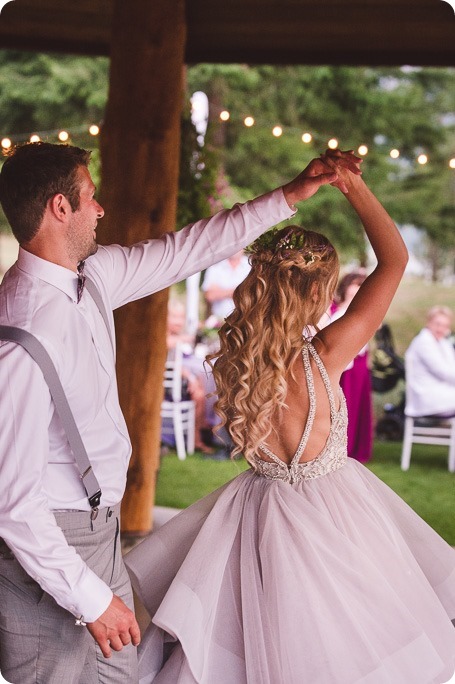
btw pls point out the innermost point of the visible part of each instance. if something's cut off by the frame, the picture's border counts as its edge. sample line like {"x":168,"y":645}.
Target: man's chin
{"x":93,"y":250}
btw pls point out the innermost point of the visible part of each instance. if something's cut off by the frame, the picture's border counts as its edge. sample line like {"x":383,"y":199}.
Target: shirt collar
{"x":58,"y":276}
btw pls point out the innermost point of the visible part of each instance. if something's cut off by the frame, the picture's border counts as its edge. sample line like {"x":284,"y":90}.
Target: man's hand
{"x":319,"y":172}
{"x":346,"y":165}
{"x":115,"y":628}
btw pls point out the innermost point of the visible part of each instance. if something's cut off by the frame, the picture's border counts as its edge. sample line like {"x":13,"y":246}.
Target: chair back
{"x":173,"y":373}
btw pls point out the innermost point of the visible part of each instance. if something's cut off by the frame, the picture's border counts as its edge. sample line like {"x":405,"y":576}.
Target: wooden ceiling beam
{"x":374,"y":32}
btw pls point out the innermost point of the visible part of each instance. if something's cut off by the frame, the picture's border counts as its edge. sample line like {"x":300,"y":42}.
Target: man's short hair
{"x":32,"y":174}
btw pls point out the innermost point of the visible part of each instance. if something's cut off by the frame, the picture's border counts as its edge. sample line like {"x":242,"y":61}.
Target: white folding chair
{"x":424,"y":430}
{"x":182,"y":412}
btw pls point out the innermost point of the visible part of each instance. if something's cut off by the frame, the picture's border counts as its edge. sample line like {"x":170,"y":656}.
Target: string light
{"x":277,"y":131}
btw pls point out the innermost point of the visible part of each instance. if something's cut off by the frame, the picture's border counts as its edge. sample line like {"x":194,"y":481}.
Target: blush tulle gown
{"x":313,"y":573}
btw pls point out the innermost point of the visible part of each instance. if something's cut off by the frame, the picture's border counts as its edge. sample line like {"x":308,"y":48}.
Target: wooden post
{"x":140,"y":143}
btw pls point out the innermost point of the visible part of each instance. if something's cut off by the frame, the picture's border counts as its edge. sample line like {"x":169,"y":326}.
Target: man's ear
{"x":59,"y":207}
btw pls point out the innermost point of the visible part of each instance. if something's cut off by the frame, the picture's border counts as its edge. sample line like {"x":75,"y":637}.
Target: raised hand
{"x":345,"y":164}
{"x":115,"y":628}
{"x":322,"y":171}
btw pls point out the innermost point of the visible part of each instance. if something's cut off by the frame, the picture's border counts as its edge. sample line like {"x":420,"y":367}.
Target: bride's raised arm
{"x":342,"y":339}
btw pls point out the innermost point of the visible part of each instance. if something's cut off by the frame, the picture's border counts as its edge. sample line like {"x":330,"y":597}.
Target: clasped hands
{"x":333,"y":167}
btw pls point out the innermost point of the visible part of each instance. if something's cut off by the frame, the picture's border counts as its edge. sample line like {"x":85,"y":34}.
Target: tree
{"x":403,"y":108}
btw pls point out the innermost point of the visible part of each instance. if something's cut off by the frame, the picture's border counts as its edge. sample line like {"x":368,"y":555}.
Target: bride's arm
{"x":343,"y":339}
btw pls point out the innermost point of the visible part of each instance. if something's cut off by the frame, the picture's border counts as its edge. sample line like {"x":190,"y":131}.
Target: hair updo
{"x":292,"y":279}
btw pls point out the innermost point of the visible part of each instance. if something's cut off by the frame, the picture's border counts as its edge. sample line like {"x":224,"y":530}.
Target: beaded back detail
{"x":334,"y":453}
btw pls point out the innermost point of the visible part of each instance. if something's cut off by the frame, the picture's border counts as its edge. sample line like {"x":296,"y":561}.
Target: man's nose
{"x":99,"y":211}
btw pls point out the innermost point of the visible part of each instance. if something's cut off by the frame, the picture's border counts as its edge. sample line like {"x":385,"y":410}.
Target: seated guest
{"x":220,"y":281}
{"x":192,"y":368}
{"x":430,"y":368}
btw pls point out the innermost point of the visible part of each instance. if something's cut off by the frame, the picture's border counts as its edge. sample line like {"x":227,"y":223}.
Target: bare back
{"x":301,"y":431}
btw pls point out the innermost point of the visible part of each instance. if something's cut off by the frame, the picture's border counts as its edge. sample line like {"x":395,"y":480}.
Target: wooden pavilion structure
{"x":149,"y":41}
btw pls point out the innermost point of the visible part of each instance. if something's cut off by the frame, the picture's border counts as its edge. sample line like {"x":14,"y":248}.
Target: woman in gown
{"x":305,"y":569}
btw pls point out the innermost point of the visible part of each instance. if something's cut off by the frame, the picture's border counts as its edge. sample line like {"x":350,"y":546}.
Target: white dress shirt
{"x":37,"y":467}
{"x":430,"y":375}
{"x":227,"y":277}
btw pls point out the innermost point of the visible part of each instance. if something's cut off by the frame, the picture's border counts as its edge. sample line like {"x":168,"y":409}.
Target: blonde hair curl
{"x":292,"y":279}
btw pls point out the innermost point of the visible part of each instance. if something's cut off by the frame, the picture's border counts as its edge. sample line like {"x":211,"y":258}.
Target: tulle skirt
{"x":333,"y":580}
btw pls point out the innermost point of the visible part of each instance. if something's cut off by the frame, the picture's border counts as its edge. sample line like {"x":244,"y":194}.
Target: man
{"x":220,"y":281}
{"x":60,"y":566}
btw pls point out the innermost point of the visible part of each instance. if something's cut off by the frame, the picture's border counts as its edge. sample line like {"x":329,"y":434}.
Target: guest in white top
{"x":57,"y":561}
{"x":220,"y":281}
{"x":430,"y":367}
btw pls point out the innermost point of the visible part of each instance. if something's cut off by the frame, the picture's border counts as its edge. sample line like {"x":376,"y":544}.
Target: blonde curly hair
{"x":292,"y":280}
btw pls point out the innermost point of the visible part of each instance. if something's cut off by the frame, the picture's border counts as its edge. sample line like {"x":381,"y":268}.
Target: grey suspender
{"x":44,"y":361}
{"x":97,"y":298}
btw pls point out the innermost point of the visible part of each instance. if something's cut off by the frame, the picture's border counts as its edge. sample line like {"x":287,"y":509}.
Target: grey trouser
{"x":39,"y":642}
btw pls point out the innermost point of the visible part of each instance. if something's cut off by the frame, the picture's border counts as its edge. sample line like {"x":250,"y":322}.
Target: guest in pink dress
{"x":356,"y":380}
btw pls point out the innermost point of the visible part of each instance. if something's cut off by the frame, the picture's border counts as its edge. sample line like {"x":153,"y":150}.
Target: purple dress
{"x":308,"y":573}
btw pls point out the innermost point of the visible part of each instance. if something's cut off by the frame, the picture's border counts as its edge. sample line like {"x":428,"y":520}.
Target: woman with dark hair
{"x":306,"y":568}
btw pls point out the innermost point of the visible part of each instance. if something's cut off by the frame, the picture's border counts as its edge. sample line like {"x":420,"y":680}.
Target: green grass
{"x":427,"y":487}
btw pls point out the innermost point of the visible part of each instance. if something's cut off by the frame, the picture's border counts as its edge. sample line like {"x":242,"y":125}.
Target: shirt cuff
{"x":91,"y":598}
{"x":272,"y":208}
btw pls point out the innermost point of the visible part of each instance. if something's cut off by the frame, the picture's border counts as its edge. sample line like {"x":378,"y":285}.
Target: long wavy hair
{"x":292,"y":279}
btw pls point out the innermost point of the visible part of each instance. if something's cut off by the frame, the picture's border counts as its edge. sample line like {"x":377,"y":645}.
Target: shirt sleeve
{"x":129,"y":273}
{"x":26,"y":523}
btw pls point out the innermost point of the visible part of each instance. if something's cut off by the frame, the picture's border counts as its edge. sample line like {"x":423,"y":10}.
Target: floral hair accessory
{"x":283,"y":242}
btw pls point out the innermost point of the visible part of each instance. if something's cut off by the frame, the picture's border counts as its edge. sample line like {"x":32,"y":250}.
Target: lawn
{"x":427,"y":487}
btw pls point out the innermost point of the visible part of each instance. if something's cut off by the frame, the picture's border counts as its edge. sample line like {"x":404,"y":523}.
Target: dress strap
{"x":312,"y":406}
{"x":310,"y":418}
{"x":308,"y":349}
{"x":325,"y":378}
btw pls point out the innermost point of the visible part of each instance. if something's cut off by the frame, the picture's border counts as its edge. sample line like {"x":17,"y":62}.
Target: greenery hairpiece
{"x":282,"y":242}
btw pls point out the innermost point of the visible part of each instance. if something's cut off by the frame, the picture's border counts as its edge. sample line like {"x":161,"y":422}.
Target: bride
{"x":306,"y":568}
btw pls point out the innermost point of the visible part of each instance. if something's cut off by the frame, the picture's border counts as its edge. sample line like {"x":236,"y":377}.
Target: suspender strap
{"x":97,"y":298}
{"x":44,"y":361}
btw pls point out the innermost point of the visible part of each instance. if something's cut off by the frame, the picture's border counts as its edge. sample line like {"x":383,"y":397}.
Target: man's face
{"x":81,"y":236}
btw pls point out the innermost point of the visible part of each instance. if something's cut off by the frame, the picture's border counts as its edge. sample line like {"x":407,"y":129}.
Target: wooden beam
{"x":140,"y":158}
{"x":256,"y":31}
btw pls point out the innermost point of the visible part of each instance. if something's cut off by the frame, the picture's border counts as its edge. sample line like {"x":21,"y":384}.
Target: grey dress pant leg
{"x":39,"y":641}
